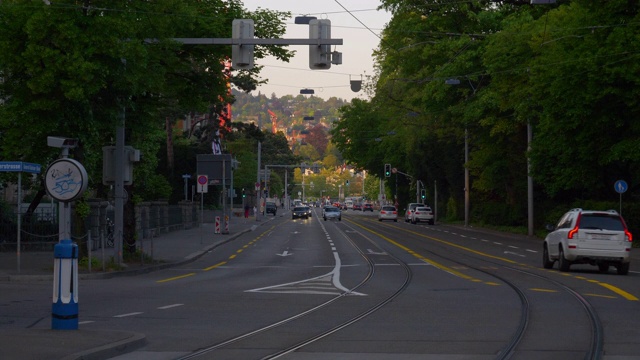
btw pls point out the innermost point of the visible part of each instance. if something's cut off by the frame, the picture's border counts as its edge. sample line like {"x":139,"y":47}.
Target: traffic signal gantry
{"x":243,"y":43}
{"x":320,"y":55}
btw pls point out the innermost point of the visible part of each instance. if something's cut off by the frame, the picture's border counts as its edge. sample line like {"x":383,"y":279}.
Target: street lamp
{"x":466,"y":156}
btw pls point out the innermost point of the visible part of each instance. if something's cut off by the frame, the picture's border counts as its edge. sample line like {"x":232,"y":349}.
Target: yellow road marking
{"x":176,"y":278}
{"x":602,"y":296}
{"x":544,"y":290}
{"x":615,"y":289}
{"x":215,"y":266}
{"x":619,"y":291}
{"x":415,"y":254}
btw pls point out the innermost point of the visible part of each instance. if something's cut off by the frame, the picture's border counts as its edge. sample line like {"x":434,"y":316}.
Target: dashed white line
{"x":129,"y":314}
{"x":169,"y":306}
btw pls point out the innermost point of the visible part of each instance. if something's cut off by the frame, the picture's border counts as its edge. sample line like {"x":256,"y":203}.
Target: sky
{"x":359,"y":42}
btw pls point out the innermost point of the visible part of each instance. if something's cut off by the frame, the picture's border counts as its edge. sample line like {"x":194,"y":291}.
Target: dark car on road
{"x":367,"y":207}
{"x":300,"y":212}
{"x":272,"y":208}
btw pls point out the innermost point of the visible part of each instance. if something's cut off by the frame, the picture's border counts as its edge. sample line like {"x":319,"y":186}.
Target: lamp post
{"x":466,"y":157}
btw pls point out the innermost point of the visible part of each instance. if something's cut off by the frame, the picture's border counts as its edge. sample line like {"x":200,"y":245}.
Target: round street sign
{"x":66,"y":179}
{"x":620,"y":186}
{"x":203,"y":179}
{"x":394,"y":170}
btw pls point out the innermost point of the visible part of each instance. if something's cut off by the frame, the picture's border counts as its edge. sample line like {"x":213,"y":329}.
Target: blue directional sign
{"x":620,"y":186}
{"x":19,"y":166}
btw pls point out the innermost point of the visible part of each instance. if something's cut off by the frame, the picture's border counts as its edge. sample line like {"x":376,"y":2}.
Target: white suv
{"x":409,"y":210}
{"x":589,"y":237}
{"x":422,"y":213}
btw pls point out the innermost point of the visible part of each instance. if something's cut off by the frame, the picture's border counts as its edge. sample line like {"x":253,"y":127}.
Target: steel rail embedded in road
{"x":311,"y":339}
{"x":597,"y":339}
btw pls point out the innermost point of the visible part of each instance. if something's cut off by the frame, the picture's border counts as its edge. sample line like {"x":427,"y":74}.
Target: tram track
{"x":318,"y":335}
{"x":593,"y":351}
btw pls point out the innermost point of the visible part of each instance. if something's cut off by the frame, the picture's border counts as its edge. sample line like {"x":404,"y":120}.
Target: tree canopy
{"x":78,"y":68}
{"x":490,"y":69}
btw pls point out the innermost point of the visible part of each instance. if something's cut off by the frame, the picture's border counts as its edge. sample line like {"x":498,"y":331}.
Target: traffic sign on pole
{"x":203,"y":183}
{"x":620,"y":186}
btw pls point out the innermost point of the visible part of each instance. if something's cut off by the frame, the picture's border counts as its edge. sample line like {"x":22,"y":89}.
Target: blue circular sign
{"x":620,"y":186}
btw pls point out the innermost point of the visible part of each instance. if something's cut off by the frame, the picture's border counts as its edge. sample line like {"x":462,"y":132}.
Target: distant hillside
{"x":289,"y":111}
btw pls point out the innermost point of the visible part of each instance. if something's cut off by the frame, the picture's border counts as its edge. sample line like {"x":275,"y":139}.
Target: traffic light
{"x":320,"y":55}
{"x":242,"y":55}
{"x":423,"y":194}
{"x":387,"y":170}
{"x":243,"y":194}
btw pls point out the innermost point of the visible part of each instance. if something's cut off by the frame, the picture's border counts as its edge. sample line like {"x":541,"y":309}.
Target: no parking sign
{"x":203,"y":183}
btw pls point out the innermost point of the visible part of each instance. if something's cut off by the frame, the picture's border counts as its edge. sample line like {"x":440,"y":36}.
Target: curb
{"x":135,"y":341}
{"x":109,"y":275}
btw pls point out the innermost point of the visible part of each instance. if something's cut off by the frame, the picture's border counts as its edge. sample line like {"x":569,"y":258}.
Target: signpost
{"x":203,"y":183}
{"x":621,"y":187}
{"x":19,"y":167}
{"x":65,"y":181}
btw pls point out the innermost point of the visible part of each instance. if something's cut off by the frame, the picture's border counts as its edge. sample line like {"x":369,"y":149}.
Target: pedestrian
{"x":247,"y":208}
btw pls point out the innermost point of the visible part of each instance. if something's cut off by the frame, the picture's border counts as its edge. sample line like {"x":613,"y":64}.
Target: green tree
{"x":73,"y":68}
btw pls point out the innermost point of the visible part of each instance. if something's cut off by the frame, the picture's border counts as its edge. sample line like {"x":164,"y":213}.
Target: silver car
{"x":331,"y":212}
{"x":388,"y":212}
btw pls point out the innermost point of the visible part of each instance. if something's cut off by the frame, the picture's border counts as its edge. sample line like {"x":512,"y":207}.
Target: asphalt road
{"x":361,"y":289}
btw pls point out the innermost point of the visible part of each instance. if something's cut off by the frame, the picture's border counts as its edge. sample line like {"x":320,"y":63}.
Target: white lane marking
{"x":85,"y":322}
{"x":532,"y":251}
{"x":300,"y":287}
{"x":169,"y":306}
{"x":129,"y":314}
{"x":497,"y":243}
{"x":371,"y":252}
{"x":514,"y":247}
{"x":285,"y":253}
{"x":514,"y":253}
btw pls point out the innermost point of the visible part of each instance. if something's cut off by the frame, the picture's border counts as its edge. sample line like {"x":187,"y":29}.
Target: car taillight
{"x":575,"y":229}
{"x":417,"y":212}
{"x":572,"y":232}
{"x":627,"y":233}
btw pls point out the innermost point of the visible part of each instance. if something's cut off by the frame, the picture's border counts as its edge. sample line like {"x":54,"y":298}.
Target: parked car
{"x":422,"y":213}
{"x":271,"y":208}
{"x":599,"y":238}
{"x":367,"y":207}
{"x":357,"y":207}
{"x":388,"y":212}
{"x":300,"y":212}
{"x":409,"y":211}
{"x":331,"y":212}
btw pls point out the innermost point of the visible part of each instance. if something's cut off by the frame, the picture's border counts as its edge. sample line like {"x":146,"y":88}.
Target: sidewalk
{"x":169,"y":249}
